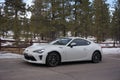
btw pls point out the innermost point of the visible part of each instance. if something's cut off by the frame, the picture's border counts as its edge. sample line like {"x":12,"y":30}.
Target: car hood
{"x":42,"y":46}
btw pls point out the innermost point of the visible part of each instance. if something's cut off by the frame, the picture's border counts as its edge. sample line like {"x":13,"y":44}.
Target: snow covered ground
{"x":13,"y":55}
{"x":111,"y":50}
{"x":10,"y":55}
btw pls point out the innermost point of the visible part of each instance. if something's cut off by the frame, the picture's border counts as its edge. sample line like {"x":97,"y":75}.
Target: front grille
{"x":29,"y":57}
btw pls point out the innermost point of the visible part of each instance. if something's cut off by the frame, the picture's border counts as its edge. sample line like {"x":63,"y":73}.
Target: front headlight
{"x":39,"y":51}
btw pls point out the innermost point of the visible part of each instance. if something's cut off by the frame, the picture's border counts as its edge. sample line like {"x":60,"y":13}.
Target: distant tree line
{"x":51,"y":19}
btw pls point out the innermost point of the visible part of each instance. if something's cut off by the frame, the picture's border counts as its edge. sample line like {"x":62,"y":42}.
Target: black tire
{"x":53,"y":59}
{"x":96,"y":57}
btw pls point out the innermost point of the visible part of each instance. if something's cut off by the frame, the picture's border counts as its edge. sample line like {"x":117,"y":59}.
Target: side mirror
{"x":72,"y":44}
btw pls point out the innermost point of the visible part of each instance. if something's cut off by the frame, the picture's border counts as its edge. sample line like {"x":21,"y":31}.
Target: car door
{"x":79,"y":51}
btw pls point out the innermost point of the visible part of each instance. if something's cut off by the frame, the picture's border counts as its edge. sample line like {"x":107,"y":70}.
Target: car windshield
{"x":61,"y":41}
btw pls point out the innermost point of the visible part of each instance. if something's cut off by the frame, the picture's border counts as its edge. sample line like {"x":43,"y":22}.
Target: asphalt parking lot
{"x":17,"y":69}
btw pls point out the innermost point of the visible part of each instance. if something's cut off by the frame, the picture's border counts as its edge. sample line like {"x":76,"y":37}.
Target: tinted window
{"x":80,"y":42}
{"x":62,"y":41}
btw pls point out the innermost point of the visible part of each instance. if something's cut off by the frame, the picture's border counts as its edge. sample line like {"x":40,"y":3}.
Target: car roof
{"x":74,"y":37}
{"x":79,"y":38}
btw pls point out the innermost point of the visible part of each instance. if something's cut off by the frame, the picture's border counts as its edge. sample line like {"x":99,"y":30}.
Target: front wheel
{"x":53,"y":59}
{"x":96,"y":58}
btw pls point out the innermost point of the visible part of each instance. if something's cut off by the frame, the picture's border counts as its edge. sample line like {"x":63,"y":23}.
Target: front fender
{"x":60,"y":50}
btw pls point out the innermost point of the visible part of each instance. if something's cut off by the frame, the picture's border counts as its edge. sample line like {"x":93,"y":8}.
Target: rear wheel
{"x":53,"y":59}
{"x":96,"y":58}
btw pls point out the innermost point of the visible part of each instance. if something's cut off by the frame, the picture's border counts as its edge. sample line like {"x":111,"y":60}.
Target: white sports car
{"x":63,"y":50}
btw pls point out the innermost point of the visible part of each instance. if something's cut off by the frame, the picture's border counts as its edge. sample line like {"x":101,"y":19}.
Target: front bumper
{"x":34,"y":58}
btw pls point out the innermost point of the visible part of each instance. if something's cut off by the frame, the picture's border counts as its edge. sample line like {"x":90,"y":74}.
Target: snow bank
{"x":10,"y":55}
{"x":111,"y":50}
{"x":6,"y":44}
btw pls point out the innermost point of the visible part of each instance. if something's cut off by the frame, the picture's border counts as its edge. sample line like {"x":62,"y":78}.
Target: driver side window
{"x":80,"y":42}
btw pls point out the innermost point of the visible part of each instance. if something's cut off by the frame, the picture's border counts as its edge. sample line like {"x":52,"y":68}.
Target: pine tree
{"x":39,"y":20}
{"x":86,"y":18}
{"x":53,"y":16}
{"x":116,"y":22}
{"x":63,"y":14}
{"x":81,"y":18}
{"x":75,"y":19}
{"x":57,"y":17}
{"x":3,"y":21}
{"x":101,"y":19}
{"x":14,"y":9}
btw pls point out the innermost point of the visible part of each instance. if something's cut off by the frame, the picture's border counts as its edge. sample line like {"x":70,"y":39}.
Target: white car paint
{"x":66,"y":52}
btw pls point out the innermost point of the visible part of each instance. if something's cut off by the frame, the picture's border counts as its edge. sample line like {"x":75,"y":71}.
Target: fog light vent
{"x":40,"y":57}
